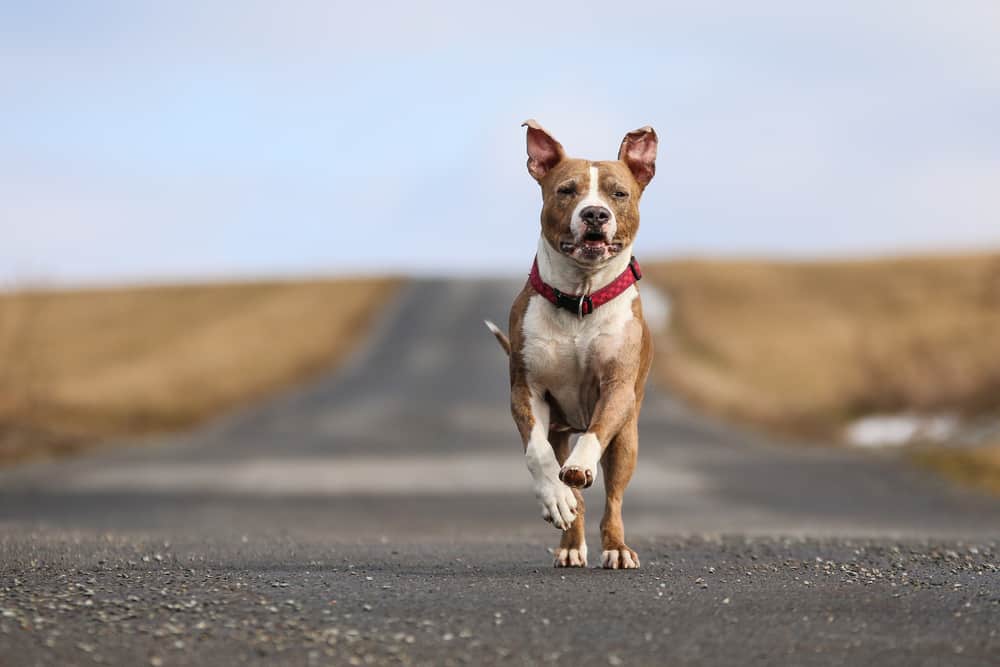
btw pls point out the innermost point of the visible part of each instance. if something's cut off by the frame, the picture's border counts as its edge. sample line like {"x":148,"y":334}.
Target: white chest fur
{"x":563,"y":353}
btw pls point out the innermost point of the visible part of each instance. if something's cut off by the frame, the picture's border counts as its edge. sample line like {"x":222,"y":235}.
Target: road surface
{"x":382,"y":515}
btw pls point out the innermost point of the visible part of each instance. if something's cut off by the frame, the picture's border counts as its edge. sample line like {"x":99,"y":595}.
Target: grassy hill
{"x":802,"y":348}
{"x":81,"y":366}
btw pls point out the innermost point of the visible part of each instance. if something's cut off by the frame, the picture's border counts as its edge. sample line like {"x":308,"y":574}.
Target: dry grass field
{"x":979,"y":467}
{"x":78,"y":367}
{"x":801,"y":348}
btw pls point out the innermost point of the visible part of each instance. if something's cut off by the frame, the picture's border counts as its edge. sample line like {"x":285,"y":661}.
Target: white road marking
{"x":423,"y":475}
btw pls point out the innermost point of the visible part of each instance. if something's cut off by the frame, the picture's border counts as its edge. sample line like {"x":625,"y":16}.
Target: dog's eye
{"x":619,"y":194}
{"x":567,"y":189}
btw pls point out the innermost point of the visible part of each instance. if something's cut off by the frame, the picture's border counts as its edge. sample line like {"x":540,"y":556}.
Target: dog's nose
{"x":595,"y":216}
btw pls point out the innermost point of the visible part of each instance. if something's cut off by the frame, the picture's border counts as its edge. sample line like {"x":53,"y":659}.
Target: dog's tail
{"x":501,"y":337}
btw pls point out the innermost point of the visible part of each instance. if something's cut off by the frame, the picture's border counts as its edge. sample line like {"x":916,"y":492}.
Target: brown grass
{"x":979,"y":467}
{"x":77,"y":367}
{"x":801,"y":348}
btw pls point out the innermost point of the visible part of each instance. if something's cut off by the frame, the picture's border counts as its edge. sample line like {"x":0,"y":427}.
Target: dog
{"x":579,"y":347}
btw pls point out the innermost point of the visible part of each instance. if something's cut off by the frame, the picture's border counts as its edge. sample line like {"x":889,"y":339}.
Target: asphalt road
{"x":382,"y":515}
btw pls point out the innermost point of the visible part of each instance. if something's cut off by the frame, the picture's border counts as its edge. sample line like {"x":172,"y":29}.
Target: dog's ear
{"x":544,"y":152}
{"x":638,"y":152}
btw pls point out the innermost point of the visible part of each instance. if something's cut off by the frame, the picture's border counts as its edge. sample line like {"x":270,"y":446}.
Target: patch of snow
{"x":899,"y":430}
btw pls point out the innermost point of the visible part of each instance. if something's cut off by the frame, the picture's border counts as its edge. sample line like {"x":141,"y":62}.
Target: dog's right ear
{"x":544,"y":152}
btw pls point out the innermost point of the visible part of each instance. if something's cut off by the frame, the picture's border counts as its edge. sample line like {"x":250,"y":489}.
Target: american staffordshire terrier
{"x":579,"y":347}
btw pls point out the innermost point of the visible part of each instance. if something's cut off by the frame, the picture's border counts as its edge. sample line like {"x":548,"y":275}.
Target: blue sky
{"x":163,"y":141}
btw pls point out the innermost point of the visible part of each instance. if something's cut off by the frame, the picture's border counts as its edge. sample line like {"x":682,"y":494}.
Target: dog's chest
{"x":564,"y":354}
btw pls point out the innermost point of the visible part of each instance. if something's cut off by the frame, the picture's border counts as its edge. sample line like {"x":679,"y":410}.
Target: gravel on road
{"x":696,"y":601}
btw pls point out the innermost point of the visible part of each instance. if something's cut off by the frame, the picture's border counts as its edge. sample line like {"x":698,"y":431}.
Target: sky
{"x":152,"y":141}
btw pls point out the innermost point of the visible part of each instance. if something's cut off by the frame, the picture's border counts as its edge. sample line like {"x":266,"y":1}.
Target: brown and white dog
{"x":579,"y":347}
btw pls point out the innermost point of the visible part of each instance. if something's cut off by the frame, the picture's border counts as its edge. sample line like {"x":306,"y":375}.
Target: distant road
{"x":383,"y":515}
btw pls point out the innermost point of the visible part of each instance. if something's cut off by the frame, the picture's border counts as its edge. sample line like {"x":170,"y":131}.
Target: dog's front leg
{"x":531,"y":414}
{"x":612,"y":428}
{"x":614,"y":407}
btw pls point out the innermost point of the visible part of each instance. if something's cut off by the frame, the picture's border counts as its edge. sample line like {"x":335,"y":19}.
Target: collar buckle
{"x":581,"y":305}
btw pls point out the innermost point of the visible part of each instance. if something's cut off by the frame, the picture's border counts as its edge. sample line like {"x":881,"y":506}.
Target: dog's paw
{"x":576,"y":476}
{"x":571,"y":557}
{"x":619,"y":558}
{"x":580,"y":469}
{"x":557,"y":501}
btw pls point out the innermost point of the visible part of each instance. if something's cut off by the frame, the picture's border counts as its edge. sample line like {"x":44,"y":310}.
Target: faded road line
{"x":328,"y":476}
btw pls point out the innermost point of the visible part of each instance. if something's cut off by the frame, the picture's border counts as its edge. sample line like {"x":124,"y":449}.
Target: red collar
{"x":585,"y":304}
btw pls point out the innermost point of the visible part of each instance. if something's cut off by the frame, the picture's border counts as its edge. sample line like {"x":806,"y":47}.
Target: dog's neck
{"x":561,"y":272}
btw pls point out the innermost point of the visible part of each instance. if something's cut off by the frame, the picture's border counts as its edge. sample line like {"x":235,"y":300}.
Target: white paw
{"x":619,"y":559}
{"x":571,"y":557}
{"x":580,"y":468}
{"x":557,"y":501}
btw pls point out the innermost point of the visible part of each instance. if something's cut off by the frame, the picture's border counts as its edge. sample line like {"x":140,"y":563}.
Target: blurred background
{"x":186,"y":187}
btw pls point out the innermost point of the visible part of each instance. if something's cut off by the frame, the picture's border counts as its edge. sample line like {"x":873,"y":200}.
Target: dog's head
{"x":590,"y":210}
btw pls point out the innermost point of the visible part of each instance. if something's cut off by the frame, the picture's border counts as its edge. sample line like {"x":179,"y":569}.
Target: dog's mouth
{"x":592,"y":246}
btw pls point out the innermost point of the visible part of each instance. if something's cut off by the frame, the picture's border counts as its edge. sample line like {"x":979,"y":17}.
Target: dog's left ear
{"x":638,"y":152}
